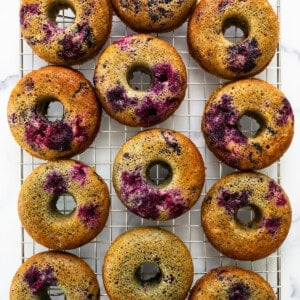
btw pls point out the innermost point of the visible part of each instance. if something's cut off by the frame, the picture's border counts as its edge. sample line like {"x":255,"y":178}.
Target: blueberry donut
{"x":153,"y":15}
{"x":232,"y":283}
{"x":151,"y":55}
{"x":183,"y":181}
{"x":147,"y":263}
{"x":51,"y":269}
{"x":38,"y":210}
{"x":71,"y":45}
{"x":256,"y":99}
{"x":27,"y":113}
{"x":238,"y":238}
{"x":224,"y":58}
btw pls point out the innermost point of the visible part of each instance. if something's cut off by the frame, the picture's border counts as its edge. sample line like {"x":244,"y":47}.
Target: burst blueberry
{"x":38,"y":280}
{"x":78,"y":173}
{"x":239,"y":291}
{"x":147,"y":202}
{"x":271,"y":224}
{"x":27,"y":11}
{"x":242,"y":56}
{"x":232,"y":202}
{"x":55,"y":183}
{"x":119,"y":100}
{"x":89,"y":214}
{"x":284,"y":113}
{"x":275,"y":193}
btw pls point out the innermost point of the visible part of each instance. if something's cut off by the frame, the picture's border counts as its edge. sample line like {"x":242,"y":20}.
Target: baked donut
{"x":144,"y":53}
{"x":150,"y":250}
{"x":73,"y":44}
{"x":230,"y":283}
{"x":27,"y":108}
{"x":262,"y":102}
{"x":221,"y":57}
{"x":182,"y":184}
{"x":53,"y":268}
{"x":153,"y":16}
{"x":239,"y":239}
{"x":40,"y":192}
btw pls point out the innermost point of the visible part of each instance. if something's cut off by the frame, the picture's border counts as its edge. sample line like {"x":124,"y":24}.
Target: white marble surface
{"x":10,"y":234}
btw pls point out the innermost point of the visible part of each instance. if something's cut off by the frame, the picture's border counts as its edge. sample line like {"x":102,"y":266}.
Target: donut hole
{"x":51,"y":110}
{"x":159,"y":173}
{"x":139,"y":78}
{"x":251,"y":124}
{"x":248,"y":216}
{"x":52,"y":292}
{"x":64,"y":204}
{"x":62,"y":14}
{"x":235,"y":29}
{"x":148,"y":273}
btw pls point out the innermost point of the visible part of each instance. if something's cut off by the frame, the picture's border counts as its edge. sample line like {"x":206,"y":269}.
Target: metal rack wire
{"x":112,"y":135}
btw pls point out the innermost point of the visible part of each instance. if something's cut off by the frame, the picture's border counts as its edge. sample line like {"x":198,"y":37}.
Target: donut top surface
{"x":153,"y":15}
{"x":73,"y":44}
{"x":259,"y":100}
{"x":130,"y":250}
{"x":27,"y":113}
{"x":54,"y":269}
{"x":222,"y":57}
{"x":37,"y":204}
{"x":232,"y":236}
{"x":231,"y":283}
{"x":155,"y":57}
{"x":177,"y":193}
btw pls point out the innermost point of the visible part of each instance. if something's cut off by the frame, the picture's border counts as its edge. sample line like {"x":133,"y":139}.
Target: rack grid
{"x":112,"y":135}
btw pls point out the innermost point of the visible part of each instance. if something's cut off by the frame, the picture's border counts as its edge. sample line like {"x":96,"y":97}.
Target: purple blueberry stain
{"x":80,"y":132}
{"x":221,"y":121}
{"x":29,"y":84}
{"x":271,"y":225}
{"x":232,"y":202}
{"x":89,"y":215}
{"x":13,"y":118}
{"x":55,"y":183}
{"x":40,"y":133}
{"x":37,"y":280}
{"x":119,"y":100}
{"x":79,"y":173}
{"x":72,"y":44}
{"x":164,"y":76}
{"x":153,"y":111}
{"x":27,"y":11}
{"x":50,"y":30}
{"x":276,"y":193}
{"x":242,"y":56}
{"x":284,"y":113}
{"x":171,"y":141}
{"x":148,"y":202}
{"x":124,"y":42}
{"x":239,"y":291}
{"x":223,"y":5}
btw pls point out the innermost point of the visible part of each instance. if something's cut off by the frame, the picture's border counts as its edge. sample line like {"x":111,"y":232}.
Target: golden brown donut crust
{"x":220,"y":56}
{"x":262,"y":101}
{"x":60,"y":139}
{"x":228,"y":282}
{"x":71,"y":45}
{"x":228,"y":234}
{"x":169,"y":199}
{"x":140,"y":108}
{"x":147,"y":245}
{"x":153,"y":16}
{"x":53,"y":268}
{"x":41,"y":219}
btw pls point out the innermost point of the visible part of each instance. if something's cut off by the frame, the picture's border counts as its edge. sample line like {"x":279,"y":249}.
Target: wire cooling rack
{"x":112,"y":135}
